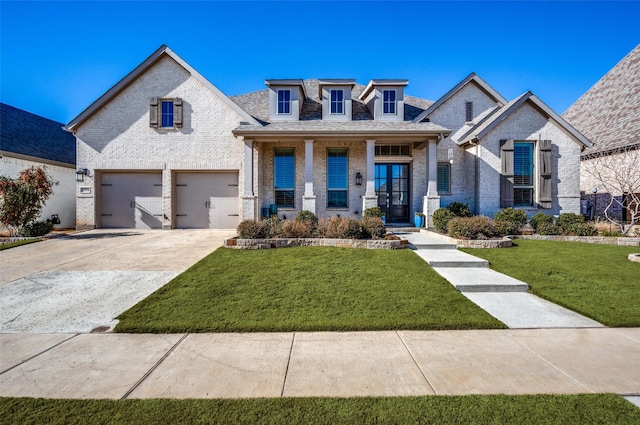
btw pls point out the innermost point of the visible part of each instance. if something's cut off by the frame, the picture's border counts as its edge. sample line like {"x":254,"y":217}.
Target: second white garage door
{"x":207,"y":201}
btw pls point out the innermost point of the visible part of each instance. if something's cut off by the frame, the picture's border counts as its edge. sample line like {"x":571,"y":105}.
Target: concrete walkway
{"x":502,"y":296}
{"x":321,"y":364}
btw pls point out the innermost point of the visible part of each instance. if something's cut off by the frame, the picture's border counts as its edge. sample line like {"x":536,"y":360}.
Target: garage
{"x":206,"y":200}
{"x":131,"y":200}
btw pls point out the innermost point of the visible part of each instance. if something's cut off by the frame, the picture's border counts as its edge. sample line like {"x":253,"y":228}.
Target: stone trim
{"x":471,"y":243}
{"x":600,"y":240}
{"x":236,"y":243}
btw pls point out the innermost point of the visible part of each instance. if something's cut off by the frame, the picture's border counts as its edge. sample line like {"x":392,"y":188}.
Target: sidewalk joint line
{"x":424,"y":375}
{"x":154,"y":367}
{"x":286,"y":371}
{"x":36,"y":355}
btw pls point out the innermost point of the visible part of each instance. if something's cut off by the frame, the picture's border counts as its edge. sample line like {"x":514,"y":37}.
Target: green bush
{"x":478,"y":227}
{"x":372,"y":212}
{"x":574,"y":224}
{"x":459,"y":209}
{"x":584,"y":229}
{"x":340,"y":228}
{"x":614,"y":233}
{"x":38,"y":228}
{"x":308,"y":216}
{"x":510,"y":220}
{"x":272,"y":227}
{"x":441,"y":218}
{"x":251,"y":229}
{"x":547,"y":228}
{"x":298,"y":229}
{"x":373,"y":227}
{"x":539,"y":218}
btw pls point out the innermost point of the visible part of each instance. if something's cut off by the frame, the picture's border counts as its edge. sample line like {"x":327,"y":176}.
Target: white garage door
{"x":132,"y":200}
{"x":207,"y":201}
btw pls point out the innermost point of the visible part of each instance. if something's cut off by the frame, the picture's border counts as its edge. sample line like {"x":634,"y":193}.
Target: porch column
{"x":431,"y":202}
{"x":309,"y":197}
{"x":248,"y":196}
{"x":370,"y":198}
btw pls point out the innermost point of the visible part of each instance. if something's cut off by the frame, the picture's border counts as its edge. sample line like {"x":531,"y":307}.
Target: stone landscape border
{"x":471,"y":243}
{"x":601,"y":240}
{"x":237,"y":243}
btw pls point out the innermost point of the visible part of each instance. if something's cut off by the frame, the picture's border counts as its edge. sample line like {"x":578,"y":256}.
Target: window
{"x":389,"y":101}
{"x":284,"y":102}
{"x":165,"y":113}
{"x":468,"y":111}
{"x":444,"y":177}
{"x":337,"y":178}
{"x":284,"y":176}
{"x":392,"y":150}
{"x":523,"y":179}
{"x":337,"y":102}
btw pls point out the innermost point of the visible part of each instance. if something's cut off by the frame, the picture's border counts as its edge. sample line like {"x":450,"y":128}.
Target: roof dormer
{"x":285,"y":99}
{"x":385,"y":99}
{"x":336,"y":99}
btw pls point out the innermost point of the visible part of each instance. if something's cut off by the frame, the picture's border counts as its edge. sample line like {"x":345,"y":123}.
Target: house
{"x":164,"y":148}
{"x":609,"y":115}
{"x":28,"y":140}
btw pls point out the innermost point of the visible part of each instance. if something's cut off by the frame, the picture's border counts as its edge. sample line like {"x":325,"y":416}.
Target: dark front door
{"x":392,"y":188}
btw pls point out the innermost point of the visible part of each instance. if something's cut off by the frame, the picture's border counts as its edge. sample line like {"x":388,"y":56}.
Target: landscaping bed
{"x":237,"y":243}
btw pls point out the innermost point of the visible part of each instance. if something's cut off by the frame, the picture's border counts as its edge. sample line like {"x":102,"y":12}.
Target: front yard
{"x":594,"y":280}
{"x":306,"y":289}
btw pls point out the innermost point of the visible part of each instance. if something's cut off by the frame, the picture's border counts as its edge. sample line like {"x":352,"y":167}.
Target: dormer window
{"x":284,"y":102}
{"x":389,"y":101}
{"x":337,"y":102}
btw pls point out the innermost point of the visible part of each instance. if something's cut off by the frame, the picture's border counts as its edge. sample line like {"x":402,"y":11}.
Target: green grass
{"x":305,"y":289}
{"x":18,"y":243}
{"x":597,"y":281}
{"x":497,"y":409}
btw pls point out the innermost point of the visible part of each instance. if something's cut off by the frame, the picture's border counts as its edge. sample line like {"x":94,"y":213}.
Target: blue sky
{"x":58,"y":57}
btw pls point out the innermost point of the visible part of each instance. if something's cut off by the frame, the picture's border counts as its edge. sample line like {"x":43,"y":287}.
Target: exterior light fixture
{"x":81,"y":173}
{"x":450,"y":152}
{"x":358,"y":179}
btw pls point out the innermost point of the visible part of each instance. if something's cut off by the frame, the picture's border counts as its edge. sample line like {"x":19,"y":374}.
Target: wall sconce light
{"x":81,"y":173}
{"x":358,"y":179}
{"x":450,"y":153}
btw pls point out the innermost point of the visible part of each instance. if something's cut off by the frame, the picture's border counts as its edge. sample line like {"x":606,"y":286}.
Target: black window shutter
{"x":177,"y":112}
{"x":506,"y":173}
{"x":544,"y":196}
{"x":153,"y":113}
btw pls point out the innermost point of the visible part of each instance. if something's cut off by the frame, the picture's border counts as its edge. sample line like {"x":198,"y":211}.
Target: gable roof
{"x":24,"y":133}
{"x":141,"y":69}
{"x":609,"y":112}
{"x":483,"y":128}
{"x":468,"y":79}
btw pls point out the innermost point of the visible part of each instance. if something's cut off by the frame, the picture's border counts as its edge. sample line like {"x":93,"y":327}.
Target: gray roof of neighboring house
{"x":494,"y":119}
{"x":257,"y":104}
{"x":609,"y":112}
{"x":24,"y":133}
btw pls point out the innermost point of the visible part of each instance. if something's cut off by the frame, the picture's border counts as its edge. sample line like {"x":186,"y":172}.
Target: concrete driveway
{"x":81,"y":282}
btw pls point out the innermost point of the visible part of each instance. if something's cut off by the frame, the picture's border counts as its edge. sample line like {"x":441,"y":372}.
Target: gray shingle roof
{"x":24,"y":133}
{"x":361,"y":126}
{"x":257,"y":104}
{"x":609,"y":112}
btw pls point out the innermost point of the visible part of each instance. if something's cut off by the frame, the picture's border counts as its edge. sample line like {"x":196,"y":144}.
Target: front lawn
{"x":496,"y":409}
{"x":597,"y":281}
{"x":305,"y":289}
{"x":18,"y":243}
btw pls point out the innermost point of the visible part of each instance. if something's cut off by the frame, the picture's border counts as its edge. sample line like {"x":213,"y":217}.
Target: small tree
{"x":618,"y":172}
{"x":22,"y":198}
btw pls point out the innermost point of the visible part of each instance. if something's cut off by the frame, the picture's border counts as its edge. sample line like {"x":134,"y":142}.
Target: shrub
{"x":510,"y":220}
{"x":583,"y":229}
{"x":272,"y":227}
{"x":373,"y":227}
{"x":615,"y":234}
{"x":540,"y":218}
{"x":372,"y":212}
{"x":478,"y":227}
{"x":441,"y":218}
{"x":297,"y":229}
{"x":38,"y":228}
{"x":547,"y":227}
{"x":308,"y":216}
{"x":340,"y":228}
{"x":251,"y":229}
{"x":573,"y":224}
{"x":459,"y":209}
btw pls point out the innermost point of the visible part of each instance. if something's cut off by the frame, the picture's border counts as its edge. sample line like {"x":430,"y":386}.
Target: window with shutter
{"x":544,"y":197}
{"x":523,"y":181}
{"x":153,"y":113}
{"x":165,"y":113}
{"x":284,"y":177}
{"x":337,"y":178}
{"x":506,"y":173}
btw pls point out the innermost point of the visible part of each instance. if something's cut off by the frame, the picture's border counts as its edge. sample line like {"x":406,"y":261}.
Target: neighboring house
{"x":609,"y":115}
{"x":28,"y":140}
{"x":164,"y":148}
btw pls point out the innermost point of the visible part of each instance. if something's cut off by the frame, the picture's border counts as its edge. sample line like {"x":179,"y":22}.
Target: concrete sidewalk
{"x":502,"y":296}
{"x":324,"y":364}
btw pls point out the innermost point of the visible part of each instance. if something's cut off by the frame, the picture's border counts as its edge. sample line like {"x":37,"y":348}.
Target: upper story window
{"x":165,"y":113}
{"x":468,"y":111}
{"x":284,"y":177}
{"x":523,"y":181}
{"x":389,"y":101}
{"x":337,"y":102}
{"x":284,"y":101}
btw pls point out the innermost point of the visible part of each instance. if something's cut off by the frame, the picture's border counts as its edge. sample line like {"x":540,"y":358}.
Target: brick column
{"x":431,"y":202}
{"x":370,"y":199}
{"x":309,"y":197}
{"x":249,"y":201}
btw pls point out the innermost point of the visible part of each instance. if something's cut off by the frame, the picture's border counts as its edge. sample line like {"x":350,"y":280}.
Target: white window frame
{"x":286,"y":102}
{"x":393,"y":104}
{"x":338,"y":103}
